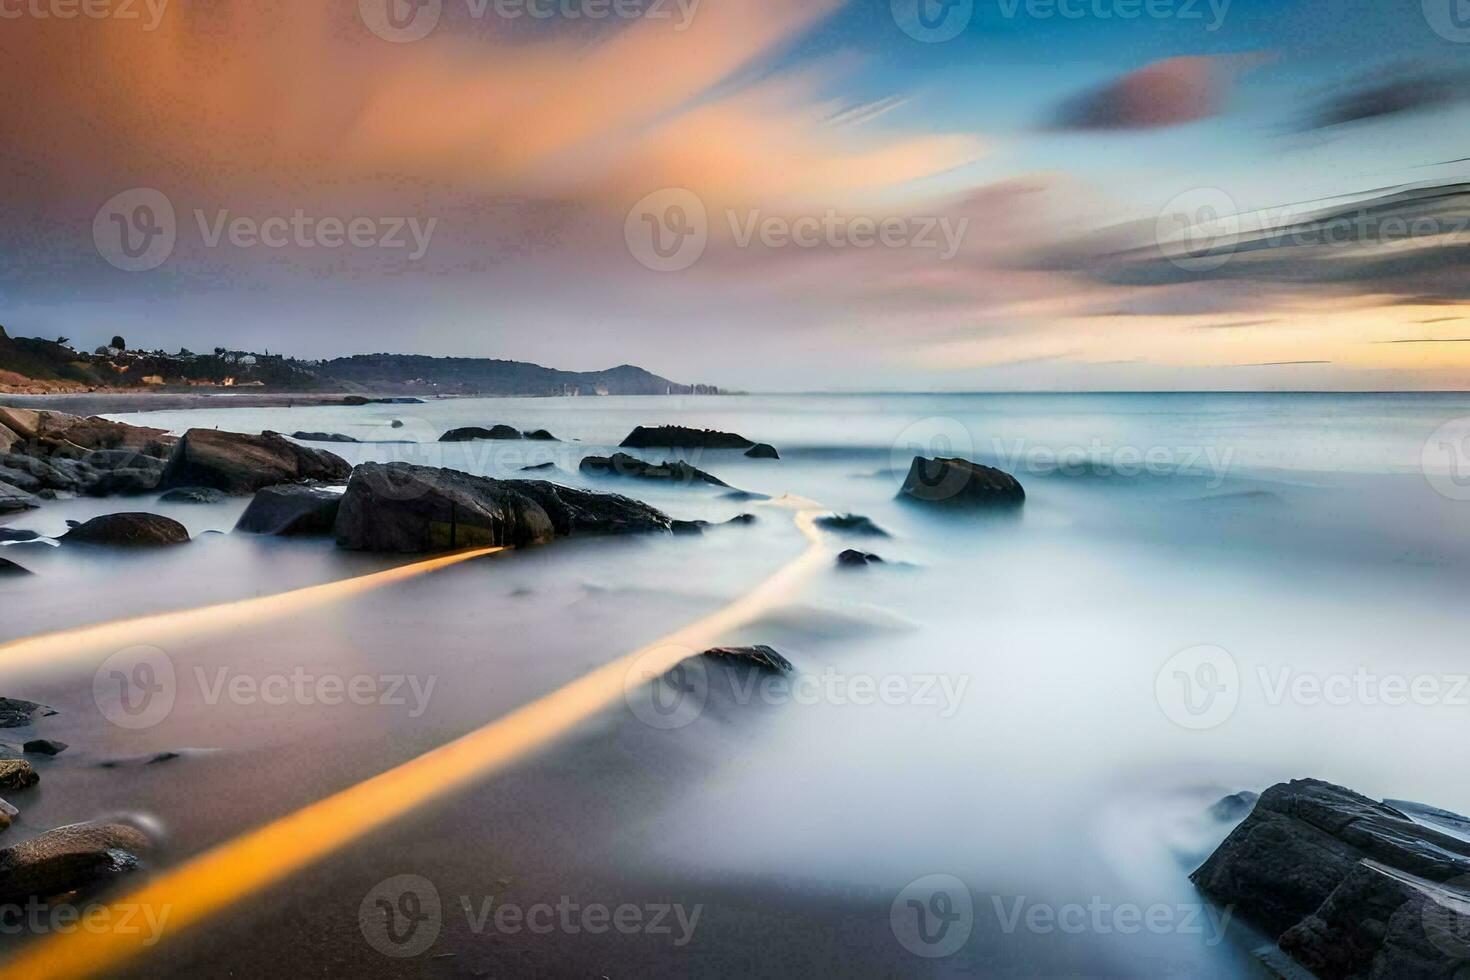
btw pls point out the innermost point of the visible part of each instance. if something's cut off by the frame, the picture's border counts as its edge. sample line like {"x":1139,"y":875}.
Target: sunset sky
{"x":1099,"y":194}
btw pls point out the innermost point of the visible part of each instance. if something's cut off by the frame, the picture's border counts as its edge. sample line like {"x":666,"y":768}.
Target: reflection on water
{"x":988,"y":704}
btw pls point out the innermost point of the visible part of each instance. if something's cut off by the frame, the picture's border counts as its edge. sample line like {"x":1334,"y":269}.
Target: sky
{"x":759,"y":194}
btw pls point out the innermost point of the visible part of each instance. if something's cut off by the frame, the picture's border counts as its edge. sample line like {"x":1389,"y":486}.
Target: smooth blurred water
{"x":1042,"y":741}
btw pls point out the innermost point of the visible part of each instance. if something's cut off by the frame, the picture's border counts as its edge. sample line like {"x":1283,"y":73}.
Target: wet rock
{"x":67,"y":859}
{"x":322,"y":437}
{"x":44,"y":746}
{"x":1347,"y":886}
{"x":16,"y":534}
{"x":34,"y":473}
{"x":191,"y":495}
{"x":129,"y":530}
{"x":396,"y":424}
{"x":674,"y":471}
{"x":399,"y":507}
{"x":679,"y":437}
{"x":17,"y":774}
{"x":126,"y":481}
{"x":541,"y":435}
{"x":538,"y":466}
{"x":959,"y":482}
{"x":761,"y":656}
{"x":762,"y":450}
{"x":853,"y":558}
{"x":472,"y":433}
{"x":14,"y":499}
{"x":9,"y":569}
{"x":291,"y":510}
{"x":15,"y":713}
{"x":689,"y":527}
{"x":851,"y":524}
{"x":237,"y":463}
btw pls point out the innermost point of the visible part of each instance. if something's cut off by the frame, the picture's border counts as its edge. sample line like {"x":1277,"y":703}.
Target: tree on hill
{"x":119,"y":343}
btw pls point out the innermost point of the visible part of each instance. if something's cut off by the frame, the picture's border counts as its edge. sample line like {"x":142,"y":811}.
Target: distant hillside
{"x":474,"y":375}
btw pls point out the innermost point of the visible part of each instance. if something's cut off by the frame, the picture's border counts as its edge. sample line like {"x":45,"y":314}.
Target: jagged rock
{"x":10,"y":569}
{"x":13,"y":499}
{"x":962,"y":483}
{"x":53,"y":433}
{"x":322,"y":437}
{"x":541,"y":435}
{"x":762,"y":450}
{"x":851,"y":524}
{"x":34,"y":473}
{"x":679,"y":437}
{"x":129,"y":530}
{"x":472,"y":433}
{"x":44,"y":746}
{"x":853,"y":558}
{"x":761,"y":656}
{"x":68,"y":858}
{"x":15,"y":713}
{"x":17,"y":774}
{"x":191,"y":495}
{"x":237,"y":463}
{"x":399,"y":507}
{"x":1347,"y":886}
{"x":621,"y":464}
{"x":291,"y":510}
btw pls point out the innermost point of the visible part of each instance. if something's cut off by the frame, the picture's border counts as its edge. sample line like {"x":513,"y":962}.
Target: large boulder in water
{"x":471,"y":433}
{"x":239,"y":463}
{"x":1349,"y":887}
{"x":68,"y":858}
{"x":404,"y":508}
{"x":52,"y":433}
{"x":621,"y":464}
{"x":129,"y":530}
{"x":291,"y":510}
{"x":959,"y":482}
{"x":679,"y":437}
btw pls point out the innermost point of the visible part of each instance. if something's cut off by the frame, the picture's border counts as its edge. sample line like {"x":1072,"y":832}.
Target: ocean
{"x":1023,"y":719}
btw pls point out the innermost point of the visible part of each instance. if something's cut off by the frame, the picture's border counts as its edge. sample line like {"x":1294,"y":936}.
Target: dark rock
{"x":56,"y":433}
{"x":291,"y":509}
{"x":1347,"y":886}
{"x":962,"y":483}
{"x":16,"y":534}
{"x":13,"y":499}
{"x":321,"y":437}
{"x":621,"y":464}
{"x":17,"y":774}
{"x":690,"y":528}
{"x":121,"y":459}
{"x":44,"y":746}
{"x":541,"y":435}
{"x":679,"y":437}
{"x":538,"y":466}
{"x":140,"y":760}
{"x":191,"y":495}
{"x":851,"y":524}
{"x":68,"y":858}
{"x":762,"y":450}
{"x":396,"y":424}
{"x":9,"y":569}
{"x":473,"y":433}
{"x":852,"y":557}
{"x":125,"y":481}
{"x":15,"y":713}
{"x":34,"y":473}
{"x":742,"y":519}
{"x":129,"y":530}
{"x":399,"y":507}
{"x":237,"y":463}
{"x":761,"y":656}
{"x":1234,"y":806}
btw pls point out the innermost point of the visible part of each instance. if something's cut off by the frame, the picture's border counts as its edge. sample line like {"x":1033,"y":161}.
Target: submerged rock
{"x":854,"y":558}
{"x":191,"y":495}
{"x":541,"y":435}
{"x":760,"y":656}
{"x":851,"y":524}
{"x":237,"y":463}
{"x":679,"y":437}
{"x":17,"y":534}
{"x":68,"y":858}
{"x":472,"y":433}
{"x":44,"y":746}
{"x":9,"y":568}
{"x":15,"y":713}
{"x":291,"y":510}
{"x":690,"y":528}
{"x":17,"y":774}
{"x":1348,"y":887}
{"x":129,"y":530}
{"x":537,"y":467}
{"x":762,"y":450}
{"x":621,"y":464}
{"x":962,"y":483}
{"x":126,"y":481}
{"x":400,"y":507}
{"x":322,"y":437}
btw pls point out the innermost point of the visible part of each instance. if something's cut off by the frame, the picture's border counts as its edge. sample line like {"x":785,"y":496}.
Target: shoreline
{"x":116,"y":403}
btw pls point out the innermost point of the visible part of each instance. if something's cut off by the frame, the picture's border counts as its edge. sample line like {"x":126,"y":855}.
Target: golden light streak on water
{"x":257,"y":859}
{"x":48,"y":649}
